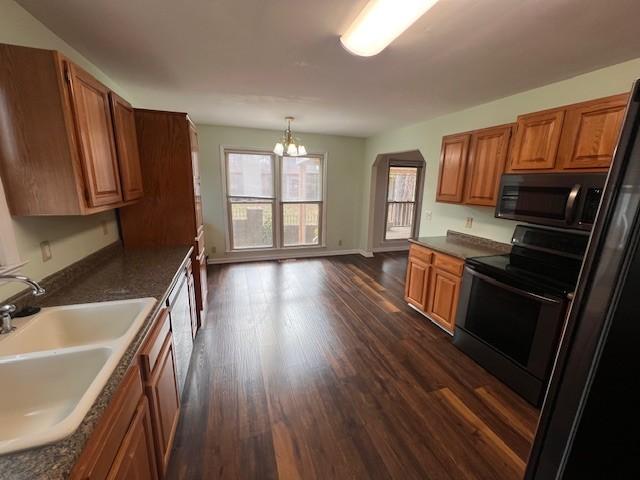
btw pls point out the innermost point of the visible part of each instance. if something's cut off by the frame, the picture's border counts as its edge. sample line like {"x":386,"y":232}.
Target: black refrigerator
{"x":589,"y":424}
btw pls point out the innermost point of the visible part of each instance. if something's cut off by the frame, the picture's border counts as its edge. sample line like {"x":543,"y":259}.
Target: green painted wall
{"x":71,"y":238}
{"x":427,"y":136}
{"x":344,"y":180}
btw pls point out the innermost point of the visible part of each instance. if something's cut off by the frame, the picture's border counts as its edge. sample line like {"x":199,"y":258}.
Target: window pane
{"x":301,"y":179}
{"x":402,"y":184}
{"x":301,"y":223}
{"x":252,"y":224}
{"x":399,"y":221}
{"x":250,"y":175}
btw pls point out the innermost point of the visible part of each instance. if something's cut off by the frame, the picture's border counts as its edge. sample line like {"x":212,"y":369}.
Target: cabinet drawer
{"x":152,"y":347}
{"x":448,"y":264}
{"x":100,"y":451}
{"x":421,"y":253}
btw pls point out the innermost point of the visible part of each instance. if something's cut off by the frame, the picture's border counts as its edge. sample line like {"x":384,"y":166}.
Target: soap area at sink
{"x":55,"y":363}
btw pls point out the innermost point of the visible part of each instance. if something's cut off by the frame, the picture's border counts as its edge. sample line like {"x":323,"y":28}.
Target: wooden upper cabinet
{"x":590,"y":133}
{"x":95,"y":134}
{"x":453,"y":162}
{"x":536,"y":140}
{"x":57,"y":146}
{"x":124,"y":126}
{"x":487,"y":157}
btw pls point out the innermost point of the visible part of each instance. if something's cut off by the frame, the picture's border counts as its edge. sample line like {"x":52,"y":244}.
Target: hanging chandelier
{"x":288,"y":143}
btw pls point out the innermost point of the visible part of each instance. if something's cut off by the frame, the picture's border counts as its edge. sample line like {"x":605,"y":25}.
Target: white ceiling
{"x":251,"y":62}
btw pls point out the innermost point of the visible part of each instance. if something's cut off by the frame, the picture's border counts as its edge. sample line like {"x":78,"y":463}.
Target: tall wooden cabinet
{"x":58,"y":141}
{"x":453,"y":164}
{"x":170,"y":213}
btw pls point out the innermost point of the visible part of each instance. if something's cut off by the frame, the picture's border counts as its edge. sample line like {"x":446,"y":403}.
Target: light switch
{"x":469,"y":222}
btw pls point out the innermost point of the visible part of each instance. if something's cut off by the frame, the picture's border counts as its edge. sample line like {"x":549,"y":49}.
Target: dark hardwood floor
{"x":318,"y":369}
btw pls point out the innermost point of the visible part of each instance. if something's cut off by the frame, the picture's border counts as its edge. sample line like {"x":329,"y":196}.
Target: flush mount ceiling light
{"x":288,"y":143}
{"x":380,"y":23}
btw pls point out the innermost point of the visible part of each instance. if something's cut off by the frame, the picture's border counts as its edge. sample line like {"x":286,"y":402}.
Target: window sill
{"x":273,"y":249}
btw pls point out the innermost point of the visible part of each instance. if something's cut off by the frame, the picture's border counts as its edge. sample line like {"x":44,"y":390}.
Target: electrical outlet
{"x":428,"y":214}
{"x":105,"y":227}
{"x":339,"y":243}
{"x":45,"y":248}
{"x":213,"y":249}
{"x":469,"y":222}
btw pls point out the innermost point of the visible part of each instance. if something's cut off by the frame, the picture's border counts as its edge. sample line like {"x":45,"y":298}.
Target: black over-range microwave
{"x":564,"y":200}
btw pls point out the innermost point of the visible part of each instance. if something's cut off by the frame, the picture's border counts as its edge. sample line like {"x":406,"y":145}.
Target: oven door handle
{"x":570,"y":208}
{"x":515,"y":290}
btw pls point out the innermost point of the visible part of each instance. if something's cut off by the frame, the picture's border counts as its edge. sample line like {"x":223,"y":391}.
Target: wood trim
{"x":102,"y":447}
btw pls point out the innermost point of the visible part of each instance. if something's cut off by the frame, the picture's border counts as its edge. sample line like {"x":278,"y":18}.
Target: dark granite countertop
{"x":462,"y":245}
{"x":111,"y":274}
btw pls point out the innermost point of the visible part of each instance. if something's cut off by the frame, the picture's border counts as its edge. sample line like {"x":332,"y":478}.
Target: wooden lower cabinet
{"x":433,"y":285}
{"x":417,"y":283}
{"x":161,"y":388}
{"x":135,"y":459}
{"x":121,"y":445}
{"x":443,"y":298}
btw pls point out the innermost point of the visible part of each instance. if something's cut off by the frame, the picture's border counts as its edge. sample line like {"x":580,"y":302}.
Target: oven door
{"x":520,"y":325}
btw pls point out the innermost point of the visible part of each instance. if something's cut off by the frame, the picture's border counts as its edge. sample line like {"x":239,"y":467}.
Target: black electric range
{"x":512,"y":307}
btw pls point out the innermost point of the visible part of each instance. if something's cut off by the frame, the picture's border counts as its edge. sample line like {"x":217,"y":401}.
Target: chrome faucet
{"x":8,"y":309}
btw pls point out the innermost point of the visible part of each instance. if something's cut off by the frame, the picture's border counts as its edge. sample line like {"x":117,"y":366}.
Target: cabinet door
{"x":590,"y":133}
{"x":124,"y":125}
{"x":453,"y":163}
{"x":443,"y":298}
{"x":94,"y":129}
{"x":162,"y":391}
{"x":417,"y":282}
{"x":487,"y":158}
{"x":135,"y":459}
{"x":536,"y":141}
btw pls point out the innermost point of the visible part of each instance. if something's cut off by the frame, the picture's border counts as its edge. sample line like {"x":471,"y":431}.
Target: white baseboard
{"x":284,"y":256}
{"x":399,"y":248}
{"x":366,"y":253}
{"x":431,"y":320}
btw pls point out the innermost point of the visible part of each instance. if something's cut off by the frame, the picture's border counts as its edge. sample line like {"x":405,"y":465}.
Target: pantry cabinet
{"x":170,"y":213}
{"x":433,"y":285}
{"x":60,"y":145}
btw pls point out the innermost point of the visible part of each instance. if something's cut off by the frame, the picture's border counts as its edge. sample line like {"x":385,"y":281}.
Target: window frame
{"x":278,"y":204}
{"x":414,"y":222}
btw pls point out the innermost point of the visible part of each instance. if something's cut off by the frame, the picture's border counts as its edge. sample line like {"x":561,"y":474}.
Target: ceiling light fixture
{"x":380,"y":23}
{"x":288,"y":143}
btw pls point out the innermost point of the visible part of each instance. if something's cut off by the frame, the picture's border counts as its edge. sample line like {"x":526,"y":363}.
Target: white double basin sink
{"x":56,"y":363}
